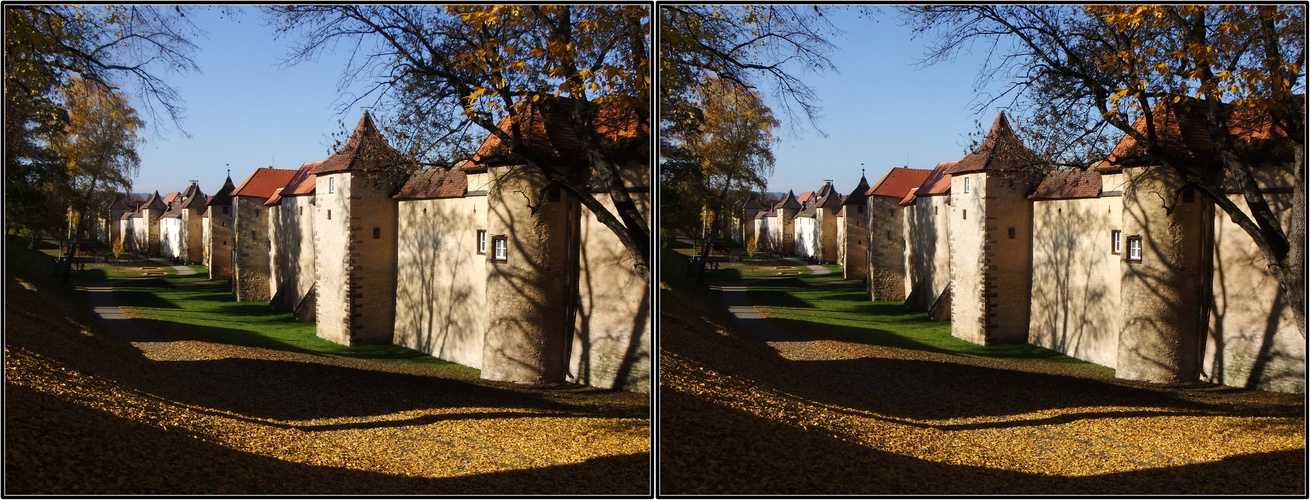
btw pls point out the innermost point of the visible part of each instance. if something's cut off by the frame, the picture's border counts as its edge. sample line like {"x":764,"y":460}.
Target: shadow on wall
{"x":920,"y":252}
{"x":1073,"y":311}
{"x":1242,"y":347}
{"x":618,"y":355}
{"x":440,"y":300}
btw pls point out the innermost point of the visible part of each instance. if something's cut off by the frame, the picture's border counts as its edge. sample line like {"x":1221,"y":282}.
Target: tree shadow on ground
{"x":760,"y":456}
{"x":100,"y":453}
{"x":295,"y":390}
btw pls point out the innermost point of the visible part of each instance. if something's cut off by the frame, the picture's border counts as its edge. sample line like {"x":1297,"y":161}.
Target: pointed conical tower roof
{"x":154,"y":203}
{"x":366,"y":150}
{"x":789,"y":201}
{"x":1001,"y":150}
{"x":224,"y":195}
{"x":858,"y":195}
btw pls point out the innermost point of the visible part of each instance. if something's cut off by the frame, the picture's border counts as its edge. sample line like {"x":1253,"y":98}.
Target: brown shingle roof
{"x":224,"y":194}
{"x":899,"y":180}
{"x":1001,"y":150}
{"x":859,"y":194}
{"x":366,"y":150}
{"x":434,"y":183}
{"x":263,"y":182}
{"x":789,"y":201}
{"x":1068,"y":184}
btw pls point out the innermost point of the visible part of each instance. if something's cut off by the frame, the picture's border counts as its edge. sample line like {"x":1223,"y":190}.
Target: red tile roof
{"x":804,"y":197}
{"x":303,"y":182}
{"x":1001,"y":150}
{"x":263,"y":182}
{"x":168,"y":198}
{"x":434,"y":183}
{"x":275,"y":198}
{"x":547,"y":131}
{"x":938,"y":181}
{"x":366,"y":150}
{"x":1182,"y":131}
{"x":1068,"y":184}
{"x":898,"y":181}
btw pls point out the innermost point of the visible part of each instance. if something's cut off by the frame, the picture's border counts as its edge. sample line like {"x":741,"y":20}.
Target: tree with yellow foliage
{"x":1083,"y":77}
{"x":451,"y":74}
{"x":98,"y":147}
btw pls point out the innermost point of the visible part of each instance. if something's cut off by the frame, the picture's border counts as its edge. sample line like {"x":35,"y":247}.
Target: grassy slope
{"x":828,"y":307}
{"x":196,"y":308}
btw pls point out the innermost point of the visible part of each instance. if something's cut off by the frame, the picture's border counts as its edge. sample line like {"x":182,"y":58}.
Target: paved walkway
{"x":100,"y":298}
{"x":748,"y":319}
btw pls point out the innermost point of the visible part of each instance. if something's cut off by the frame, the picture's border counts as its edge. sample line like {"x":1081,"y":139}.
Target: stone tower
{"x":218,"y":224}
{"x":852,"y":251}
{"x":355,"y":239}
{"x":991,"y":239}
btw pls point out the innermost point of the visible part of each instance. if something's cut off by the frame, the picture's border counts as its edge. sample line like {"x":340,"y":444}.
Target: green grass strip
{"x":829,"y":307}
{"x":196,"y":308}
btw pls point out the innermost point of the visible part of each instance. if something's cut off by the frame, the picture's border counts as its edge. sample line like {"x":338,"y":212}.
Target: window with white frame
{"x":499,"y":249}
{"x":482,"y":241}
{"x":1116,"y":241}
{"x":1134,"y":249}
{"x":966,"y":184}
{"x":332,"y":184}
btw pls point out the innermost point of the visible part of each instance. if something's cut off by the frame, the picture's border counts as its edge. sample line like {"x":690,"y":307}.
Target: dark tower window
{"x":1011,"y":233}
{"x":377,"y":233}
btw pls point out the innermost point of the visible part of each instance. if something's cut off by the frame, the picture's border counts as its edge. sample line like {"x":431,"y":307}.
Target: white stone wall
{"x":928,"y":249}
{"x":967,"y":257}
{"x":441,"y":278}
{"x":292,"y":252}
{"x":170,"y":237}
{"x":611,"y":345}
{"x":331,"y":250}
{"x":806,"y":234}
{"x":1251,"y":339}
{"x":1075,"y":283}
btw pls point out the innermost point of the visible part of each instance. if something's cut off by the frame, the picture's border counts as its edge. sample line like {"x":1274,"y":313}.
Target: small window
{"x":966,"y":214}
{"x":224,"y":210}
{"x":377,"y":233}
{"x":499,"y":249}
{"x":1189,"y":195}
{"x":859,"y":209}
{"x":966,"y":185}
{"x":300,"y":210}
{"x":934,"y":210}
{"x":552,"y":194}
{"x":329,"y":215}
{"x":1134,"y":249}
{"x":332,"y":184}
{"x":1116,"y":241}
{"x":482,"y":241}
{"x":1011,"y":232}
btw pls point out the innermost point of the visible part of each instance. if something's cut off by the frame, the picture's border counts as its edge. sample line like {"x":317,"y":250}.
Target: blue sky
{"x":880,"y":108}
{"x":243,"y":109}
